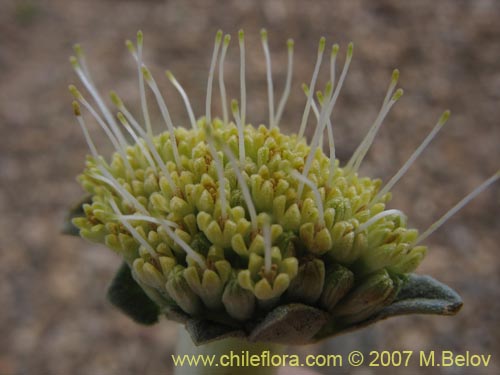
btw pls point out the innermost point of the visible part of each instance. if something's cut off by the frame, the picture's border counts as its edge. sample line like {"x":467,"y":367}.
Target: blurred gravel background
{"x":54,"y":318}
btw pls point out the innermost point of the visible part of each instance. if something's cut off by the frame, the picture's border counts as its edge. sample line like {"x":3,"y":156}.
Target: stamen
{"x":442,"y":120}
{"x":266,"y":231}
{"x":166,"y":224}
{"x":208,"y":102}
{"x":185,"y":98}
{"x":331,"y":145}
{"x":111,"y":181}
{"x":305,"y":116}
{"x":317,"y":195}
{"x":333,"y":59}
{"x":323,"y":101}
{"x":189,"y":251}
{"x":241,"y":37}
{"x":220,"y":176}
{"x":366,"y":144}
{"x":313,"y":103}
{"x":142,"y":90}
{"x":379,"y":216}
{"x":78,"y":96}
{"x":392,"y":85}
{"x":137,"y":140}
{"x":243,"y":186}
{"x":326,"y":111}
{"x":81,"y":122}
{"x":288,"y":83}
{"x":328,"y":107}
{"x":119,"y":104}
{"x":151,"y":147}
{"x":241,"y":135}
{"x":270,"y":90}
{"x":100,"y":103}
{"x":81,"y":59}
{"x":150,"y":219}
{"x":132,"y":230}
{"x":222,"y":87}
{"x":164,"y":111}
{"x":373,"y":129}
{"x":458,"y":207}
{"x":319,"y":96}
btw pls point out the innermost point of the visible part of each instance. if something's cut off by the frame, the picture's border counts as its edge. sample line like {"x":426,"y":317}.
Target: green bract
{"x":245,"y":230}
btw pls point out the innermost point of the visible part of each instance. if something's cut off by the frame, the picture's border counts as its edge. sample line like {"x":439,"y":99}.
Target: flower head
{"x":221,"y":219}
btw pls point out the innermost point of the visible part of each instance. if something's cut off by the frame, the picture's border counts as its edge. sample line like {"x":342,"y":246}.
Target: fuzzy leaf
{"x":292,"y":324}
{"x":420,"y":294}
{"x":125,"y":294}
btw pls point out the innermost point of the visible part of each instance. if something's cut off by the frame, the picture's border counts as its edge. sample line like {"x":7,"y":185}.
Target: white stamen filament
{"x":166,"y":224}
{"x":164,"y":112}
{"x":323,"y":101}
{"x":243,"y":186}
{"x":313,"y":103}
{"x":111,"y":181}
{"x":331,"y":145}
{"x":331,"y":101}
{"x":184,"y":97}
{"x":305,"y":115}
{"x":373,"y":128}
{"x":333,"y":60}
{"x":82,"y":61}
{"x":189,"y":251}
{"x":317,"y":195}
{"x":326,"y":111}
{"x":83,"y":126}
{"x":266,"y":231}
{"x":208,"y":102}
{"x":142,"y":90}
{"x":145,"y":151}
{"x":379,"y":216}
{"x":243,"y":89}
{"x":288,"y":83}
{"x":222,"y":87}
{"x":331,"y":142}
{"x":370,"y":137}
{"x":392,"y":85}
{"x":150,"y":219}
{"x":100,"y":103}
{"x":151,"y":147}
{"x":241,"y":134}
{"x":457,"y":207}
{"x":442,"y":120}
{"x":269,"y":75}
{"x":220,"y":176}
{"x":132,"y":230}
{"x":74,"y":91}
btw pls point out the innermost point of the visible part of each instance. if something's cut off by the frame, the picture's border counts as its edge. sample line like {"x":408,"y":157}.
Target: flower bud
{"x":181,"y":293}
{"x":367,"y":297}
{"x":338,"y":282}
{"x":307,"y":286}
{"x":238,"y":302}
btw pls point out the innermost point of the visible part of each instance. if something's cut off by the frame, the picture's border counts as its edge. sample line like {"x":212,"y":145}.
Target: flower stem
{"x":230,"y":356}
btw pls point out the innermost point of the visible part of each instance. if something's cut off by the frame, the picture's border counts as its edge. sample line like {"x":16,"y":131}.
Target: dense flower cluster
{"x":227,"y":218}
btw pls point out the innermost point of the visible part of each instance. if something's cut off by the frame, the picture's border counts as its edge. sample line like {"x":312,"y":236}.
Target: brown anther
{"x":271,"y":275}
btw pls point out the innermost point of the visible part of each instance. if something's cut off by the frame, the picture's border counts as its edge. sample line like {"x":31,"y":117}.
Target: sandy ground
{"x":54,"y":318}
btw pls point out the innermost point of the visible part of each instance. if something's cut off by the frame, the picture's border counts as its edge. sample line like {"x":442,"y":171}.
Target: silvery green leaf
{"x":125,"y":294}
{"x":420,"y":294}
{"x":292,"y":324}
